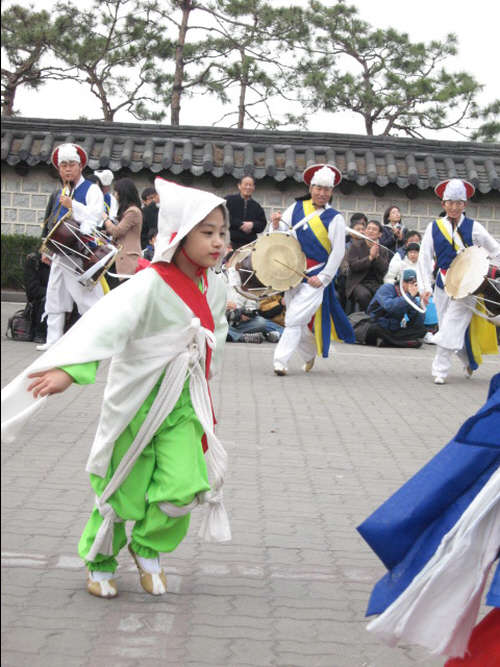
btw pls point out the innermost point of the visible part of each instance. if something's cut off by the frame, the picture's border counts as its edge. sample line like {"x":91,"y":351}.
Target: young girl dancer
{"x":164,"y":330}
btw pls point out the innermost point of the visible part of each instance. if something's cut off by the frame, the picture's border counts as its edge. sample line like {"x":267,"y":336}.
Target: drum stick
{"x":300,"y":273}
{"x":351,"y":231}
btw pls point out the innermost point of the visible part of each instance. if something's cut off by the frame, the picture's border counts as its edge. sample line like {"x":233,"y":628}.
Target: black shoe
{"x":39,"y":339}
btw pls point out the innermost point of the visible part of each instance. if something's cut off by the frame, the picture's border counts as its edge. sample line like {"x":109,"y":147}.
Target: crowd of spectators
{"x":375,"y":283}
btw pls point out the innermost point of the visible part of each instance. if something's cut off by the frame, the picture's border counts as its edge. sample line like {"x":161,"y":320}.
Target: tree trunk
{"x":243,"y":91}
{"x":175,"y":106}
{"x":9,"y":94}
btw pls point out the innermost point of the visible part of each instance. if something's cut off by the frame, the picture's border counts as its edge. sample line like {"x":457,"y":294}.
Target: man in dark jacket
{"x":368,"y":263}
{"x":246,"y":217}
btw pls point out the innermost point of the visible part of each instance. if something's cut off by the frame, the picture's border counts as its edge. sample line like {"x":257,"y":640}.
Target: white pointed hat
{"x":106,"y":176}
{"x":68,"y":153}
{"x":454,"y":189}
{"x":325,"y":175}
{"x":181,"y":209}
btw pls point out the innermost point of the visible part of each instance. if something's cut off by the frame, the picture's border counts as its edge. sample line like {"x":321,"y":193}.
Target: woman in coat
{"x":127,"y":231}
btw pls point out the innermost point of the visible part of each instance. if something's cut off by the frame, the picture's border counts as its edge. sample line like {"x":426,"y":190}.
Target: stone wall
{"x":24,"y":199}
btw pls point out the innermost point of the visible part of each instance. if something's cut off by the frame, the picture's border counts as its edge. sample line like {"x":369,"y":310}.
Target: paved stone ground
{"x":310,"y":457}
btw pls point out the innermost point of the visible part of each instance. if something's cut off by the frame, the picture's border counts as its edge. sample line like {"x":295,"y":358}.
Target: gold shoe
{"x":102,"y":589}
{"x":308,"y":365}
{"x":154,"y":584}
{"x":279,"y":370}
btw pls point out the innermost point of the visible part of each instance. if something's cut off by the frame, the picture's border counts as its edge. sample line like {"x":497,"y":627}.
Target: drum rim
{"x":476,"y":273}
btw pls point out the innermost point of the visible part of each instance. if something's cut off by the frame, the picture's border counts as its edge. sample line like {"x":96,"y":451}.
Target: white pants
{"x":63,"y":290}
{"x":454,"y":317}
{"x":301,"y":304}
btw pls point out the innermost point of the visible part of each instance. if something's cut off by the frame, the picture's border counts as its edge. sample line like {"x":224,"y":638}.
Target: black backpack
{"x":19,"y":325}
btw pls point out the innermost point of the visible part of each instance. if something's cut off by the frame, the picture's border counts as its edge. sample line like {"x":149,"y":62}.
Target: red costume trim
{"x":187,"y":290}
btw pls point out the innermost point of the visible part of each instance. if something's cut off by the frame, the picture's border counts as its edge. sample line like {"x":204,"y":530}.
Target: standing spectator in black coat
{"x":36,"y":278}
{"x":246,"y":217}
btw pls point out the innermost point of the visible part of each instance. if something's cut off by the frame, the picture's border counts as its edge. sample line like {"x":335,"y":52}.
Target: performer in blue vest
{"x":106,"y":177}
{"x":85,"y":200}
{"x":320,"y":230}
{"x":442,"y":240}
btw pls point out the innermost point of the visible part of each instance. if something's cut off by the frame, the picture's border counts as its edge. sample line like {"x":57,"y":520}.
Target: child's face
{"x":205,"y":243}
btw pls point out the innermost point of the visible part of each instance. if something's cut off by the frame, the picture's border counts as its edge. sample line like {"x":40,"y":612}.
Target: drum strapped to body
{"x":89,"y":255}
{"x":272,"y":264}
{"x":474,"y":272}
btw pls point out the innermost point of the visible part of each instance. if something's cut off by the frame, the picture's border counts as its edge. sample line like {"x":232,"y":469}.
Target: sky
{"x":475,"y":24}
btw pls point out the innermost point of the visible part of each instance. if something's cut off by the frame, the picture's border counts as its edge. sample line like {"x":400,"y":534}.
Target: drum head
{"x":467,"y":272}
{"x":278,"y":261}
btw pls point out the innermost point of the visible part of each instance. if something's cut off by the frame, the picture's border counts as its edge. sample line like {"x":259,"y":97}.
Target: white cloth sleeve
{"x":394,"y":269}
{"x":336,"y":235}
{"x":483,"y":238}
{"x":426,"y":262}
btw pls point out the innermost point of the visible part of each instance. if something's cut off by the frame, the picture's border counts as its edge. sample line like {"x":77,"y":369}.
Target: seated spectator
{"x":358,"y":223}
{"x":413,"y":236}
{"x":395,"y":322}
{"x":393,"y":231}
{"x":127,"y":231}
{"x":368,"y":263}
{"x":36,"y":278}
{"x":150,"y":208}
{"x":272,"y":309}
{"x":246,"y":217}
{"x":245,"y":323}
{"x":398,"y":265}
{"x":149,"y":250}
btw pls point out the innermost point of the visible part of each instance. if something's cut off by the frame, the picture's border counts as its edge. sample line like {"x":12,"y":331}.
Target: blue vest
{"x":445,"y":251}
{"x":309,"y":243}
{"x":79,"y":195}
{"x":107,"y":203}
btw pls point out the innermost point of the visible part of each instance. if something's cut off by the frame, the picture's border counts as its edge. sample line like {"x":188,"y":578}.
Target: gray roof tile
{"x":377,"y":161}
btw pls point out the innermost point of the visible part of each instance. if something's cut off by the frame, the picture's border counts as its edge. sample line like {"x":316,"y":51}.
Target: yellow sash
{"x":446,"y":234}
{"x":104,"y":285}
{"x":483,"y":335}
{"x":317,"y":226}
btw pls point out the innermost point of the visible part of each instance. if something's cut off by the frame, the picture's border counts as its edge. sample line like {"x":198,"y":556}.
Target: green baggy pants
{"x":171,"y":468}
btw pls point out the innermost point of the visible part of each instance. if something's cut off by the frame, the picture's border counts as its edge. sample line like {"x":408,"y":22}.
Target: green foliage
{"x":27,"y":35}
{"x":253,"y":42}
{"x":260,"y":61}
{"x":115,"y":55}
{"x":489,"y":130}
{"x":15,"y":248}
{"x":395,"y":85}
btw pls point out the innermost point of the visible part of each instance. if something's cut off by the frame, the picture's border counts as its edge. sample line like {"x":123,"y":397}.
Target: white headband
{"x":324,"y":177}
{"x":455,"y":191}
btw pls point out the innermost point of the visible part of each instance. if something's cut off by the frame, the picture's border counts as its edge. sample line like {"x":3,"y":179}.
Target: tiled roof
{"x":376,"y":161}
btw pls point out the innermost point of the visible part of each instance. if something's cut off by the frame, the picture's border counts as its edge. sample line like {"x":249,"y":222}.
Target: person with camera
{"x":395,"y":320}
{"x":393,"y":230}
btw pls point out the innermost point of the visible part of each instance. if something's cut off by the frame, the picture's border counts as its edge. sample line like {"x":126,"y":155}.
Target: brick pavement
{"x":310,"y":457}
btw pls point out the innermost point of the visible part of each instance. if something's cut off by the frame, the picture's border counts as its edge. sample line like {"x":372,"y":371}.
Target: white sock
{"x":150,"y":565}
{"x":95,"y":575}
